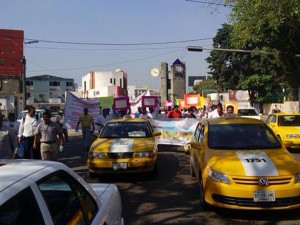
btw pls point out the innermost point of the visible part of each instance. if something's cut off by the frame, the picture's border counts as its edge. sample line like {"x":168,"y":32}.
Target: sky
{"x":76,"y":37}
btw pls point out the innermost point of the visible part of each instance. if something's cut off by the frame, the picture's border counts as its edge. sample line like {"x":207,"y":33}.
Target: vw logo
{"x":263,"y":182}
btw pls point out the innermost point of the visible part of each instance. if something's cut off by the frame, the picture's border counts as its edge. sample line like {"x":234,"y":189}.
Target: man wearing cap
{"x":104,"y":118}
{"x":46,"y":133}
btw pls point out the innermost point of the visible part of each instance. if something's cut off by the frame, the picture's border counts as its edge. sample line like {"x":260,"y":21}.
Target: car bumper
{"x":296,"y":142}
{"x":235,"y":196}
{"x":133,"y":165}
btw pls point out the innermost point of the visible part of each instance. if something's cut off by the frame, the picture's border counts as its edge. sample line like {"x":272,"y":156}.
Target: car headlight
{"x":293,"y":136}
{"x":97,"y":155}
{"x":143,"y":154}
{"x":217,"y":176}
{"x":297,"y":178}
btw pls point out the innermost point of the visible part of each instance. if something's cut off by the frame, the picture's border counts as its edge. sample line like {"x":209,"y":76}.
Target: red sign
{"x":11,"y":52}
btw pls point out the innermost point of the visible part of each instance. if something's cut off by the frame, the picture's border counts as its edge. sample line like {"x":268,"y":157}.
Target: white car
{"x":38,"y":114}
{"x":249,"y":112}
{"x":47,"y":192}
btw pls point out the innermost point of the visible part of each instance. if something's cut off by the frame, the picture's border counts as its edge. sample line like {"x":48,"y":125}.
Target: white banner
{"x":175,"y":131}
{"x":74,"y":107}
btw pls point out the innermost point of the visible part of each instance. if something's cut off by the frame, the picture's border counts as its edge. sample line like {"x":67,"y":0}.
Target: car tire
{"x":153,"y":172}
{"x":93,"y":175}
{"x":192,"y":172}
{"x":203,"y":204}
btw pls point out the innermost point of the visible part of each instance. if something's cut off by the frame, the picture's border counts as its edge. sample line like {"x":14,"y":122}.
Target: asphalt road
{"x":172,"y":197}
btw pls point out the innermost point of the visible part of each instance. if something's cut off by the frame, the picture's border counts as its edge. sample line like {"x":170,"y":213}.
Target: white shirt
{"x":215,"y":114}
{"x":28,"y":126}
{"x":103,"y":120}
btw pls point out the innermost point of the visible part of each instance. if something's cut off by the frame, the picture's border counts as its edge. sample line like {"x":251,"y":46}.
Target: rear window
{"x":289,"y":120}
{"x":242,"y":136}
{"x":247,"y":112}
{"x":125,"y":130}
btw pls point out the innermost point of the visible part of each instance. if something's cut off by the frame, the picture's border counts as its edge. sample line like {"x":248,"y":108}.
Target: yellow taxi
{"x":241,"y":164}
{"x":124,"y":146}
{"x":286,"y":126}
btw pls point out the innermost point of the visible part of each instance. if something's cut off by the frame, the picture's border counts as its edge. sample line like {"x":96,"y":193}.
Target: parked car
{"x":286,"y":127}
{"x":38,"y":114}
{"x":241,"y":164}
{"x":124,"y":146}
{"x":249,"y":112}
{"x":47,"y":192}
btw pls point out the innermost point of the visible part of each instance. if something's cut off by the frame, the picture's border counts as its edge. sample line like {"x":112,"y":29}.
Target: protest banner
{"x":175,"y":131}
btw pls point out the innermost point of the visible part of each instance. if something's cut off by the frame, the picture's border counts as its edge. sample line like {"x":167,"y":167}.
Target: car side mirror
{"x":156,"y":133}
{"x":288,"y":144}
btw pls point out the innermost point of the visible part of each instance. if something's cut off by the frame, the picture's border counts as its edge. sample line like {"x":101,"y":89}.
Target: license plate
{"x":119,"y":166}
{"x":264,"y":196}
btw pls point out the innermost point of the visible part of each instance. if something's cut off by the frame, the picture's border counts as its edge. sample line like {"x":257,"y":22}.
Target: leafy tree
{"x":256,"y":72}
{"x":202,"y":87}
{"x":273,"y":27}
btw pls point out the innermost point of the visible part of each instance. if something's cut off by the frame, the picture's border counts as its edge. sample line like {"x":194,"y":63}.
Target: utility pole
{"x":23,"y":60}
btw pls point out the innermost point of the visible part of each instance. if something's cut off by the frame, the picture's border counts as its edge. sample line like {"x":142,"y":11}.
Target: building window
{"x":114,"y":81}
{"x":69,"y":84}
{"x":111,"y":80}
{"x":54,"y":83}
{"x":121,"y":83}
{"x":28,"y":95}
{"x":29,"y":83}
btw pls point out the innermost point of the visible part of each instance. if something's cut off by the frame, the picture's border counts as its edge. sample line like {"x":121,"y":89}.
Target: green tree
{"x":206,"y":86}
{"x":255,"y":72}
{"x":271,"y":26}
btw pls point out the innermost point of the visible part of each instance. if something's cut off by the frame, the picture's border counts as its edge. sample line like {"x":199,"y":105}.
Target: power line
{"x":116,"y":44}
{"x":210,"y":3}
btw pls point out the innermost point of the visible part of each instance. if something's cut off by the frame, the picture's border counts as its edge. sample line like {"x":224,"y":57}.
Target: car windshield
{"x":289,"y":120}
{"x":125,"y":130}
{"x":241,"y":136}
{"x":247,"y":112}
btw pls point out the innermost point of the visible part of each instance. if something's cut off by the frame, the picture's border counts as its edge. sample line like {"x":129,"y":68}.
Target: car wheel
{"x":203,"y":203}
{"x":93,"y":175}
{"x":153,"y":172}
{"x":192,"y":172}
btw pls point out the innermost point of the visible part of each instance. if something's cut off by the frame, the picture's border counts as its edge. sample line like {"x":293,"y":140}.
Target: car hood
{"x":275,"y":162}
{"x":252,"y":117}
{"x":123,"y":144}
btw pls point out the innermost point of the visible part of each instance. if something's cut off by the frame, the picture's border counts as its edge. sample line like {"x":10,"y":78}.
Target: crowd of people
{"x":36,"y":138}
{"x":30,"y":138}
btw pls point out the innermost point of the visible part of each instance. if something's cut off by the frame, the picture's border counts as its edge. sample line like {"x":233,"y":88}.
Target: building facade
{"x":12,"y":71}
{"x":102,"y":84}
{"x":47,"y":90}
{"x":134,"y":91}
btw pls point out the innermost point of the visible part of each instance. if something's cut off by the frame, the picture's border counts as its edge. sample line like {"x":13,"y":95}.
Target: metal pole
{"x":24,"y":82}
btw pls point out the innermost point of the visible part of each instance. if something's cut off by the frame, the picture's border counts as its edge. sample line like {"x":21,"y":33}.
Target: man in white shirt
{"x":26,"y":134}
{"x":218,"y":112}
{"x":104,"y":118}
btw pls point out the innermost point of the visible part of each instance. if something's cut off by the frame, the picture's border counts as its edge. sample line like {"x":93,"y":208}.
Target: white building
{"x":102,"y":84}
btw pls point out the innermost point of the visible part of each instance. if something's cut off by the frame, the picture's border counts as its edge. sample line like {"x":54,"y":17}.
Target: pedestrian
{"x":218,"y":112}
{"x":144,"y":114}
{"x":26,"y":134}
{"x":8,"y":141}
{"x":203,"y":112}
{"x":46,"y":133}
{"x":230,"y":112}
{"x":86,"y":121}
{"x":12,"y":122}
{"x":103,"y":119}
{"x":60,"y":121}
{"x":138,"y":113}
{"x":190,"y":113}
{"x":175,"y":113}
